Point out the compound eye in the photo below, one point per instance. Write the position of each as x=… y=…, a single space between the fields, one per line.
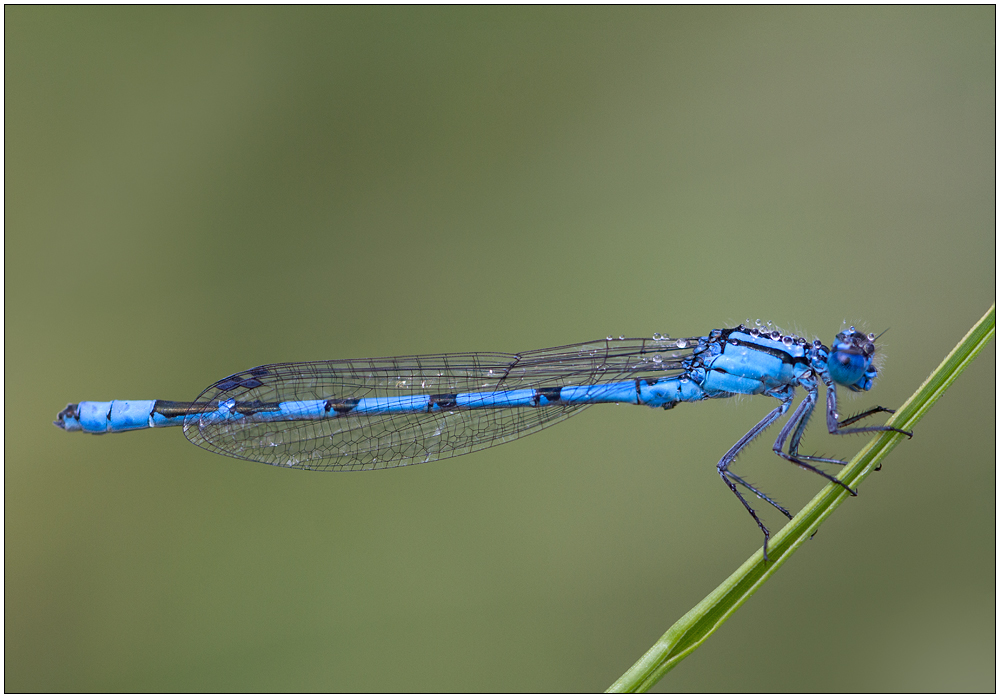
x=847 y=367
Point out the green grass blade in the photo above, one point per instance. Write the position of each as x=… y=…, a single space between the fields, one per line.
x=688 y=633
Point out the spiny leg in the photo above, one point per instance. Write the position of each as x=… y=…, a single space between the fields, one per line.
x=797 y=424
x=861 y=415
x=760 y=495
x=793 y=446
x=785 y=395
x=835 y=427
x=809 y=383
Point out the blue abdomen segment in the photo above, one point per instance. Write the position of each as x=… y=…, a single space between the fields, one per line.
x=115 y=416
x=129 y=415
x=668 y=392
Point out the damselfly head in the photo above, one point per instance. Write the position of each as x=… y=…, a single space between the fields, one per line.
x=851 y=360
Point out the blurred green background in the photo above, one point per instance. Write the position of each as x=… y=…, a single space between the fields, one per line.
x=194 y=191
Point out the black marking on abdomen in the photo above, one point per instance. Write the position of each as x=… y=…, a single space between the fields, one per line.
x=550 y=394
x=256 y=406
x=168 y=408
x=444 y=401
x=72 y=411
x=341 y=406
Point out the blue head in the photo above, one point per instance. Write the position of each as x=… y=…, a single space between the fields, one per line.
x=851 y=360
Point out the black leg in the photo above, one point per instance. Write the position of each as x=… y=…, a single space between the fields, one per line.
x=836 y=427
x=743 y=483
x=797 y=423
x=812 y=397
x=861 y=415
x=785 y=395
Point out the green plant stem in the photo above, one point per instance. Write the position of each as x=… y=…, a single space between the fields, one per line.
x=688 y=633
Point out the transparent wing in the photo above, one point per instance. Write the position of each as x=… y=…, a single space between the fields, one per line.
x=372 y=441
